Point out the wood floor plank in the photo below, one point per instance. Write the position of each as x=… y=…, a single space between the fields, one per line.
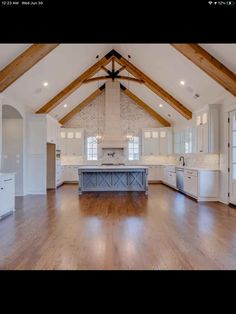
x=165 y=230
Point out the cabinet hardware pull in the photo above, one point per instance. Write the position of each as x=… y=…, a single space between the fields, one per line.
x=1 y=188
x=189 y=177
x=7 y=180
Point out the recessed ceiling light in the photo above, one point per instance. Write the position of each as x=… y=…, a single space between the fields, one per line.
x=65 y=105
x=45 y=84
x=161 y=105
x=182 y=83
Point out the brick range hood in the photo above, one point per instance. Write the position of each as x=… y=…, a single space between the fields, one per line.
x=113 y=136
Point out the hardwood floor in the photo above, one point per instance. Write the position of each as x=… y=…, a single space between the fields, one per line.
x=167 y=230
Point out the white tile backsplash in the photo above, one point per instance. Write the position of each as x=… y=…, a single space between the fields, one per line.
x=199 y=160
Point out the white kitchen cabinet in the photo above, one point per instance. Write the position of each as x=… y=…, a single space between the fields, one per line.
x=166 y=143
x=191 y=182
x=157 y=141
x=207 y=124
x=7 y=194
x=71 y=174
x=52 y=130
x=150 y=141
x=169 y=176
x=185 y=141
x=59 y=175
x=154 y=173
x=202 y=184
x=72 y=142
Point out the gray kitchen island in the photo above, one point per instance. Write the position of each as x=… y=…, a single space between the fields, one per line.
x=113 y=178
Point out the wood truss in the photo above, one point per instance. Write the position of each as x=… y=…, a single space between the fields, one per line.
x=82 y=105
x=139 y=77
x=23 y=63
x=98 y=92
x=209 y=65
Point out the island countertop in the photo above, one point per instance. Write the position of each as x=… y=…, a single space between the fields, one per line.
x=114 y=167
x=113 y=178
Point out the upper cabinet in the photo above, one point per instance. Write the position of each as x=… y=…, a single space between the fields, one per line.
x=207 y=125
x=202 y=136
x=185 y=141
x=53 y=129
x=72 y=141
x=156 y=141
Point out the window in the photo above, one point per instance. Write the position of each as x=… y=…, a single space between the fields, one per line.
x=133 y=148
x=92 y=148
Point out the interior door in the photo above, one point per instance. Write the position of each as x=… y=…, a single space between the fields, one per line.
x=232 y=158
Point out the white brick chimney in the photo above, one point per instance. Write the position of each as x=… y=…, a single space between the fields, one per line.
x=113 y=135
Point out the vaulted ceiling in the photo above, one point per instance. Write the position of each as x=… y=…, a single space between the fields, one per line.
x=160 y=62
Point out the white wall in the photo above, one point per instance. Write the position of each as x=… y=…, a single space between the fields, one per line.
x=23 y=110
x=93 y=116
x=37 y=154
x=0 y=132
x=228 y=106
x=12 y=151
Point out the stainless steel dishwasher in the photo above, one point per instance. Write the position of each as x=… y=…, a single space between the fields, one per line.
x=180 y=178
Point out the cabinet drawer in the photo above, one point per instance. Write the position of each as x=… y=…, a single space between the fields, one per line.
x=191 y=172
x=191 y=185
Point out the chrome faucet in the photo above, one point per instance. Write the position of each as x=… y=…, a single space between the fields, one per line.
x=182 y=157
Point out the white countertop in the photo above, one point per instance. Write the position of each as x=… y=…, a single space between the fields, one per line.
x=3 y=174
x=112 y=167
x=198 y=168
x=142 y=166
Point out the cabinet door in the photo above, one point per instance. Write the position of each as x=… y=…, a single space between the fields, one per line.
x=191 y=185
x=200 y=139
x=147 y=148
x=158 y=173
x=2 y=205
x=205 y=138
x=151 y=174
x=7 y=188
x=163 y=142
x=74 y=174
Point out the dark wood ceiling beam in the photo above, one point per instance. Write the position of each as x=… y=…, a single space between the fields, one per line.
x=158 y=90
x=73 y=86
x=209 y=65
x=144 y=106
x=82 y=105
x=25 y=61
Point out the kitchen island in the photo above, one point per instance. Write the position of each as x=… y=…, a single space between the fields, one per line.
x=113 y=178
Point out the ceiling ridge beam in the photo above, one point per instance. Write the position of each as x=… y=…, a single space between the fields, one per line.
x=157 y=89
x=21 y=64
x=144 y=106
x=74 y=85
x=82 y=105
x=209 y=64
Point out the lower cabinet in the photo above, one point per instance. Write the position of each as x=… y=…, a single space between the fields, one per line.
x=191 y=182
x=71 y=174
x=202 y=184
x=154 y=173
x=59 y=175
x=7 y=194
x=169 y=175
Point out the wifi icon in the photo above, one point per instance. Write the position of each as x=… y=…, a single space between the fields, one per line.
x=210 y=2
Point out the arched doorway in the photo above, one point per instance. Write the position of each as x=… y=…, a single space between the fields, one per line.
x=12 y=145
